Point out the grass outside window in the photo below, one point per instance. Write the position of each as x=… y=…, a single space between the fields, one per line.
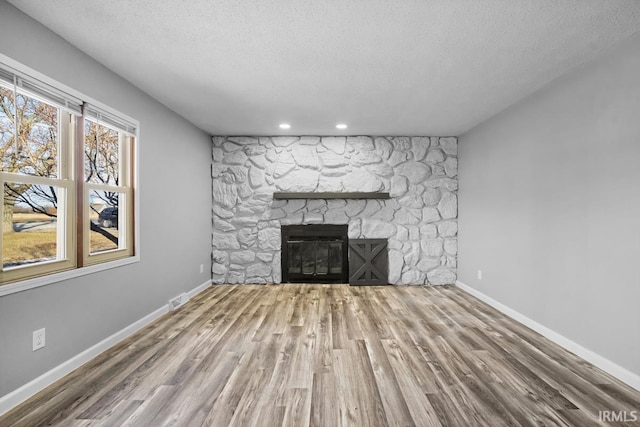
x=67 y=178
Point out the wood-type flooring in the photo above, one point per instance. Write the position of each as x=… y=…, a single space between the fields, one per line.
x=333 y=355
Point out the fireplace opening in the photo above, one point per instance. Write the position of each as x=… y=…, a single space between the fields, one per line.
x=316 y=253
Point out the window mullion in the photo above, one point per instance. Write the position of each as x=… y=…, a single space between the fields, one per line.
x=131 y=194
x=35 y=180
x=67 y=142
x=80 y=199
x=105 y=187
x=2 y=228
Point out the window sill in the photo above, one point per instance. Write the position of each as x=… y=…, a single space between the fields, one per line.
x=49 y=279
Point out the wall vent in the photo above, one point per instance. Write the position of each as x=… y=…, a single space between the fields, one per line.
x=179 y=301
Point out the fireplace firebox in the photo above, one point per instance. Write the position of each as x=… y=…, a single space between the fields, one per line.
x=316 y=253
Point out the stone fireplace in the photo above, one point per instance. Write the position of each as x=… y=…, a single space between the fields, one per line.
x=419 y=220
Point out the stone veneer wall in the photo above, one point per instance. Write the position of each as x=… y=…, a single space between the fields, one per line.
x=419 y=220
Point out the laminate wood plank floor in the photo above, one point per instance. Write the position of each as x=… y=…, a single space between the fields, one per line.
x=332 y=355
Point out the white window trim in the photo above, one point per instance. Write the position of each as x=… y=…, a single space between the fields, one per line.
x=36 y=282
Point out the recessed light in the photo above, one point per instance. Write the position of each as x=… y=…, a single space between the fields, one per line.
x=341 y=126
x=285 y=126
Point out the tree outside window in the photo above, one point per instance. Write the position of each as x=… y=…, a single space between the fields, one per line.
x=41 y=198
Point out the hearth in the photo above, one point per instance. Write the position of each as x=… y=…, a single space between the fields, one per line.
x=316 y=253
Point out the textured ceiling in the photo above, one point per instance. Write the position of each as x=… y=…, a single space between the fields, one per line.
x=427 y=67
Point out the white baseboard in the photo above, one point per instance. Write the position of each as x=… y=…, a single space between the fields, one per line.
x=595 y=359
x=21 y=394
x=195 y=291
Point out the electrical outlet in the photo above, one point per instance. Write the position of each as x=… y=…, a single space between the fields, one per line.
x=479 y=274
x=38 y=339
x=201 y=268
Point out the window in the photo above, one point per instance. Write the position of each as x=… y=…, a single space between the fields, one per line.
x=107 y=191
x=67 y=178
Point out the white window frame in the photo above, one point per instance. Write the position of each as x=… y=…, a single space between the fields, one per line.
x=65 y=230
x=125 y=143
x=93 y=263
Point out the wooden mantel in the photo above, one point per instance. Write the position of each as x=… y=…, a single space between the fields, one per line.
x=331 y=195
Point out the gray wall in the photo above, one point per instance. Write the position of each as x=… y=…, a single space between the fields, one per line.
x=550 y=206
x=175 y=218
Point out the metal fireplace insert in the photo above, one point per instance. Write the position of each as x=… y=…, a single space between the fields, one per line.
x=316 y=253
